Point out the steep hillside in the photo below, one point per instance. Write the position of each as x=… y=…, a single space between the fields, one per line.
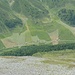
x=36 y=22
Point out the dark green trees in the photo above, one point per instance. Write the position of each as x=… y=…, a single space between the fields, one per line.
x=12 y=23
x=30 y=50
x=67 y=16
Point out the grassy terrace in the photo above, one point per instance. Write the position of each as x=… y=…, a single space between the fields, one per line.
x=65 y=57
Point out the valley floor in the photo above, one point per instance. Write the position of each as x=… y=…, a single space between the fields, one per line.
x=29 y=65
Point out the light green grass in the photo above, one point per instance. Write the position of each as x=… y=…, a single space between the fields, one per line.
x=34 y=25
x=28 y=37
x=38 y=30
x=1 y=45
x=65 y=57
x=42 y=35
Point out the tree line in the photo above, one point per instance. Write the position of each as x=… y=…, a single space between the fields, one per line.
x=30 y=50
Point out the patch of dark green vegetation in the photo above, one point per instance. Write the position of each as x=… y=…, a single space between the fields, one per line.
x=67 y=16
x=30 y=50
x=12 y=23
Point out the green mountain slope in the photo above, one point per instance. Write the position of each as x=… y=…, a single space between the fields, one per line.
x=35 y=22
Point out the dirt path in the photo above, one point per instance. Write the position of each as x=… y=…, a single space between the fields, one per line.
x=54 y=37
x=11 y=2
x=31 y=66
